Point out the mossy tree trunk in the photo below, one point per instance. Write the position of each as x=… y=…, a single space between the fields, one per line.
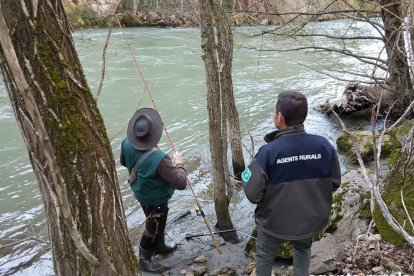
x=225 y=55
x=399 y=184
x=214 y=106
x=66 y=141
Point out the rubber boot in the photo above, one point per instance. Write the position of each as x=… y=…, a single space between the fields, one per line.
x=147 y=263
x=162 y=246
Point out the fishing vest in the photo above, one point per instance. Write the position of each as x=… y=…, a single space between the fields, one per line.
x=148 y=187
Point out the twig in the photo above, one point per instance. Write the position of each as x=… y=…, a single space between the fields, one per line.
x=332 y=76
x=22 y=241
x=406 y=113
x=98 y=94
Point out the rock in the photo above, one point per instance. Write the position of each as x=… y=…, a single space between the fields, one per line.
x=200 y=259
x=189 y=273
x=253 y=272
x=377 y=269
x=224 y=271
x=154 y=15
x=166 y=273
x=183 y=272
x=394 y=267
x=250 y=267
x=325 y=267
x=364 y=142
x=199 y=271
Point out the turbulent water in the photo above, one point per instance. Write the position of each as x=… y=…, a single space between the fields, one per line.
x=172 y=66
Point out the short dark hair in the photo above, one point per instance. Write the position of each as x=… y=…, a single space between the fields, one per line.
x=293 y=106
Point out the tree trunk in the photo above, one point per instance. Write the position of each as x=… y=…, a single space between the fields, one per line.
x=209 y=55
x=225 y=54
x=410 y=15
x=66 y=140
x=398 y=69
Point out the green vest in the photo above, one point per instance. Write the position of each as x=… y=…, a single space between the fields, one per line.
x=148 y=188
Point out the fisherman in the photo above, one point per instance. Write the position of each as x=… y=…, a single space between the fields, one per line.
x=291 y=179
x=153 y=179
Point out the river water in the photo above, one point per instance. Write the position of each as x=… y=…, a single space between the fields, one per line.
x=172 y=66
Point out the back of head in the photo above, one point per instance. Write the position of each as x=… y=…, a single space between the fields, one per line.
x=293 y=106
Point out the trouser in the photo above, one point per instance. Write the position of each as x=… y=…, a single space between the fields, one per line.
x=267 y=247
x=156 y=220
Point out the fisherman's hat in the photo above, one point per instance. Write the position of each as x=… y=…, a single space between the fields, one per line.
x=144 y=129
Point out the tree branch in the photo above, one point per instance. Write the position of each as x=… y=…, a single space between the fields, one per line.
x=332 y=76
x=345 y=52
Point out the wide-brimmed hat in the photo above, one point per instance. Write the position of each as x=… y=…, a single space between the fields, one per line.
x=144 y=129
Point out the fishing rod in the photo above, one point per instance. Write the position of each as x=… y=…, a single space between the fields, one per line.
x=190 y=235
x=137 y=65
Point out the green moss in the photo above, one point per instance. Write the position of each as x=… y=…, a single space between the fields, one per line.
x=403 y=130
x=400 y=179
x=393 y=157
x=364 y=211
x=285 y=250
x=344 y=143
x=336 y=213
x=364 y=142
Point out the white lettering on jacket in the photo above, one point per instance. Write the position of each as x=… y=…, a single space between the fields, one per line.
x=295 y=158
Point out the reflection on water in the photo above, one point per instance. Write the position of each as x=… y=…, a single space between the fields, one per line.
x=171 y=62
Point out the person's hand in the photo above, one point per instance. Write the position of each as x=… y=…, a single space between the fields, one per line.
x=177 y=157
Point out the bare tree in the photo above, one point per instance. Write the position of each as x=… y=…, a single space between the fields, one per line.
x=214 y=106
x=225 y=55
x=66 y=141
x=368 y=87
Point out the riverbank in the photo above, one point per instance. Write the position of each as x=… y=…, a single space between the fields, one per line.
x=86 y=14
x=354 y=247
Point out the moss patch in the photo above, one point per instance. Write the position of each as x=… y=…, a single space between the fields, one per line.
x=364 y=211
x=365 y=145
x=400 y=179
x=285 y=250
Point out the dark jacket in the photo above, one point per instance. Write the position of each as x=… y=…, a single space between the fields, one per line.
x=291 y=179
x=156 y=178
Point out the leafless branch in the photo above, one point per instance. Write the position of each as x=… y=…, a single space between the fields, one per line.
x=365 y=59
x=98 y=94
x=330 y=36
x=311 y=13
x=331 y=75
x=376 y=79
x=406 y=113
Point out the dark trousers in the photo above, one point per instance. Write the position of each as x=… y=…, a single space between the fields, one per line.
x=267 y=247
x=156 y=220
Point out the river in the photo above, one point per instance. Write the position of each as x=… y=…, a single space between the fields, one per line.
x=172 y=66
